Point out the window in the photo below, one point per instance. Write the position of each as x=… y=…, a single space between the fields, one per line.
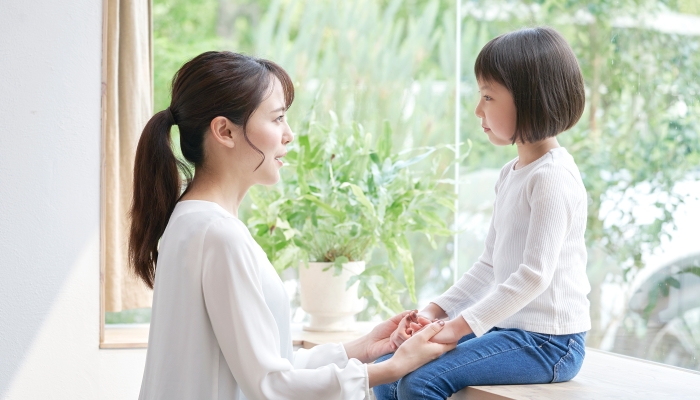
x=637 y=144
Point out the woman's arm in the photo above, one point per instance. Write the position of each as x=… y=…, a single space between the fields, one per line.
x=247 y=333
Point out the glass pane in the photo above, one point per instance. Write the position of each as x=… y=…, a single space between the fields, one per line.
x=637 y=148
x=372 y=63
x=369 y=63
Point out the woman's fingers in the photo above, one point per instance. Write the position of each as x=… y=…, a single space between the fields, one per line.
x=419 y=350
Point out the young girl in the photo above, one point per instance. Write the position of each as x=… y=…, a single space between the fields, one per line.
x=220 y=327
x=520 y=313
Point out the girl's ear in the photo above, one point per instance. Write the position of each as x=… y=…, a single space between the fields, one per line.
x=224 y=131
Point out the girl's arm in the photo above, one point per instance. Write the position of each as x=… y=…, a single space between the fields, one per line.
x=476 y=282
x=432 y=311
x=555 y=199
x=472 y=286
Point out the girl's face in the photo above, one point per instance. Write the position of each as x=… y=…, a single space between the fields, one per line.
x=268 y=130
x=497 y=111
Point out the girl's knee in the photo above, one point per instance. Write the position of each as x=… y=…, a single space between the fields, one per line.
x=385 y=392
x=418 y=385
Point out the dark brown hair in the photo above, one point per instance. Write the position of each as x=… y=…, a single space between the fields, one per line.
x=540 y=70
x=210 y=85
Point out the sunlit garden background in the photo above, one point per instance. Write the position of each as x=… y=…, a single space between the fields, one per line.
x=389 y=66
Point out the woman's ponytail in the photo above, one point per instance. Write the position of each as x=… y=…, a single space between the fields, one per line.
x=213 y=84
x=156 y=191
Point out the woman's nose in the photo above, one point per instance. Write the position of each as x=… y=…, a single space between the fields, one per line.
x=288 y=136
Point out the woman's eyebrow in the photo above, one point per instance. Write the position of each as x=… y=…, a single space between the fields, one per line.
x=276 y=110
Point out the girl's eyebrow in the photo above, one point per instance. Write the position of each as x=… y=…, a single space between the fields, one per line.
x=484 y=87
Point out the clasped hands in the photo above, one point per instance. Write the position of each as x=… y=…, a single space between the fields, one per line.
x=413 y=322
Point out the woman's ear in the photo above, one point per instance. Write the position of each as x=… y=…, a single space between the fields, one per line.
x=224 y=131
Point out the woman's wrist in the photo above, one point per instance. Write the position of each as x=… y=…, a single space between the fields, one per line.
x=384 y=372
x=357 y=349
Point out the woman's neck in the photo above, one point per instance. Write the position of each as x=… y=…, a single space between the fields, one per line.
x=223 y=190
x=529 y=152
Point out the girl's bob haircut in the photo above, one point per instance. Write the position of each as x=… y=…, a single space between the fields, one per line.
x=540 y=70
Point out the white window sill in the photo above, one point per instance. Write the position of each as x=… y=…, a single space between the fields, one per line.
x=603 y=375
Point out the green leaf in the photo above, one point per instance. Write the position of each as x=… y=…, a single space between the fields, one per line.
x=323 y=205
x=404 y=252
x=360 y=195
x=384 y=143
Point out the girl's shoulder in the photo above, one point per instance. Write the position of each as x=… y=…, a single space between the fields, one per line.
x=557 y=173
x=559 y=163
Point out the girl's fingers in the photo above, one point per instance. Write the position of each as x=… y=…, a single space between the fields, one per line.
x=423 y=321
x=416 y=327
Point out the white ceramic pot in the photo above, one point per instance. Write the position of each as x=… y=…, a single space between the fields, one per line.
x=331 y=308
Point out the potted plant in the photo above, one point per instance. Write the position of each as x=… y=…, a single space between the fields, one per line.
x=345 y=193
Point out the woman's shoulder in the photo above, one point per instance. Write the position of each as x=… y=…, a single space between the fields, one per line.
x=209 y=220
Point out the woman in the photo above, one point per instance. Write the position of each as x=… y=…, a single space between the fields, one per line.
x=220 y=325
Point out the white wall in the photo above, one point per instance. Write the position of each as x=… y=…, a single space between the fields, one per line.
x=50 y=63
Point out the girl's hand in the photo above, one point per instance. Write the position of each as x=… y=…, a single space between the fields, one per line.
x=416 y=351
x=453 y=331
x=409 y=325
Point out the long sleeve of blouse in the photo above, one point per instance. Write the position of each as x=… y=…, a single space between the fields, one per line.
x=236 y=294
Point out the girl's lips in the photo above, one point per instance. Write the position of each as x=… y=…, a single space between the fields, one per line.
x=486 y=129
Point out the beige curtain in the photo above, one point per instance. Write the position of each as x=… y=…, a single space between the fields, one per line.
x=129 y=105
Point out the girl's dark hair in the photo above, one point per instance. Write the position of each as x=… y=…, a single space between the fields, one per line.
x=210 y=85
x=540 y=70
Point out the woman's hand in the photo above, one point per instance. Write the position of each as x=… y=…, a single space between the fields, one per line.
x=431 y=313
x=416 y=351
x=453 y=331
x=410 y=324
x=376 y=343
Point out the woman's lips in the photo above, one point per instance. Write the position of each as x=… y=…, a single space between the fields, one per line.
x=279 y=159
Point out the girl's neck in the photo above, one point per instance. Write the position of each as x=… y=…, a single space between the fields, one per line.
x=529 y=152
x=225 y=191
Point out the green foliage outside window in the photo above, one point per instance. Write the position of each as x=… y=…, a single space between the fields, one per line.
x=394 y=61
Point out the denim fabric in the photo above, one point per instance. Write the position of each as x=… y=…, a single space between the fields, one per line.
x=499 y=357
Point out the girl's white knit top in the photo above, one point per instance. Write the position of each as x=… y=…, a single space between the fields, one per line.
x=532 y=273
x=220 y=327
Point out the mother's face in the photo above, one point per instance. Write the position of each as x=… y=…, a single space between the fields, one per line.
x=268 y=130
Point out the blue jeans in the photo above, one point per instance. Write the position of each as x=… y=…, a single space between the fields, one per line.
x=499 y=357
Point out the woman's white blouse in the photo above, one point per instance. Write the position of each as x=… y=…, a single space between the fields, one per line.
x=220 y=327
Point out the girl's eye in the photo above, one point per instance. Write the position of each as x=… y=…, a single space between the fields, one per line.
x=487 y=98
x=280 y=118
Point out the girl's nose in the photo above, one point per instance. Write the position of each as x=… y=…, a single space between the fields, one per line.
x=478 y=111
